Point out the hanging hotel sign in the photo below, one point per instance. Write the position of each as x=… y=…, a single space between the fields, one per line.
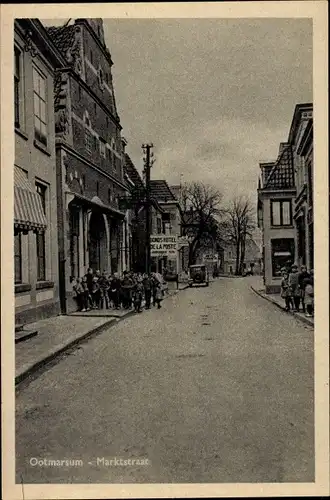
x=163 y=246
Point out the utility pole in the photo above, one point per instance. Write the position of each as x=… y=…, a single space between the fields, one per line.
x=148 y=161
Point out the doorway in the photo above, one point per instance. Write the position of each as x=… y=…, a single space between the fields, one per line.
x=98 y=245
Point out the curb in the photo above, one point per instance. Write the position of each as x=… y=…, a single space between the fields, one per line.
x=269 y=299
x=34 y=367
x=56 y=352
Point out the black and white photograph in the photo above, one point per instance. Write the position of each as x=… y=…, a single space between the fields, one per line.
x=162 y=236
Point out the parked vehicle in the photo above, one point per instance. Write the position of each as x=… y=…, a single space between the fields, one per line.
x=198 y=275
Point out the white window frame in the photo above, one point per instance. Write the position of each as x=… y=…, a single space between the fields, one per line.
x=41 y=100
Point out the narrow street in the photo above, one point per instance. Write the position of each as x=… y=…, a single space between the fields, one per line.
x=217 y=386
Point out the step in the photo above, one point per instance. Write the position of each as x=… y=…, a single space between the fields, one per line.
x=22 y=335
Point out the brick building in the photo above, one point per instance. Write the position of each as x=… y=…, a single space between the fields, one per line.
x=90 y=157
x=276 y=194
x=35 y=194
x=301 y=138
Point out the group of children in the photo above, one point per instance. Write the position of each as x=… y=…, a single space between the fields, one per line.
x=298 y=288
x=98 y=291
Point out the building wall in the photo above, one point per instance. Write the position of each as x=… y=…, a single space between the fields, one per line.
x=40 y=299
x=90 y=164
x=270 y=233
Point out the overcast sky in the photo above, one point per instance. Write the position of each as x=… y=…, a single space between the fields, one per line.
x=215 y=96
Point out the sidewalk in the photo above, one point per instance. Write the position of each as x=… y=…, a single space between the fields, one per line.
x=279 y=302
x=59 y=333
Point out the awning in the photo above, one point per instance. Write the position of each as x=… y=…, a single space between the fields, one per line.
x=95 y=203
x=28 y=211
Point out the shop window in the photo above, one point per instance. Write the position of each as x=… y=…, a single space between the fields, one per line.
x=39 y=96
x=281 y=213
x=18 y=257
x=17 y=85
x=282 y=254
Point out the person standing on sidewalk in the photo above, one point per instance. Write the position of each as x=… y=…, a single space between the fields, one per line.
x=294 y=286
x=104 y=286
x=286 y=292
x=159 y=295
x=304 y=274
x=147 y=285
x=309 y=296
x=138 y=295
x=114 y=290
x=126 y=287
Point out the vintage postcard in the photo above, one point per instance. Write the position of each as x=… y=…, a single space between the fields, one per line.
x=164 y=233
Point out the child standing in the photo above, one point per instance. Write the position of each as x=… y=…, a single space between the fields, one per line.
x=87 y=299
x=309 y=297
x=137 y=295
x=286 y=292
x=159 y=295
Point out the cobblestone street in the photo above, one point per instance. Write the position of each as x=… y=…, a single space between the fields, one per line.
x=216 y=386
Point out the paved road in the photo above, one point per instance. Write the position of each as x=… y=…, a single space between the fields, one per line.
x=217 y=386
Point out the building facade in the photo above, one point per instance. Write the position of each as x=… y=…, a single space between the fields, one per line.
x=301 y=138
x=90 y=151
x=35 y=186
x=168 y=224
x=276 y=194
x=252 y=261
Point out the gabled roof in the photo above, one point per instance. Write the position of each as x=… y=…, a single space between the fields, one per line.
x=282 y=173
x=132 y=172
x=62 y=36
x=160 y=190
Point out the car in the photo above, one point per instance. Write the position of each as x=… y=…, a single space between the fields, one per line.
x=198 y=275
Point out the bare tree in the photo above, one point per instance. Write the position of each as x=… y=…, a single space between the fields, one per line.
x=201 y=205
x=239 y=226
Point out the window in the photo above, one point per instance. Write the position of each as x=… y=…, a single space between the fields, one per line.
x=159 y=226
x=310 y=183
x=101 y=78
x=88 y=140
x=95 y=108
x=41 y=260
x=18 y=257
x=17 y=83
x=97 y=188
x=39 y=95
x=109 y=195
x=91 y=56
x=40 y=237
x=282 y=254
x=95 y=142
x=83 y=178
x=281 y=213
x=41 y=190
x=102 y=148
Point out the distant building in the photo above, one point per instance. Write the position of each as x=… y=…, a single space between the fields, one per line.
x=170 y=222
x=137 y=218
x=90 y=158
x=35 y=192
x=252 y=261
x=276 y=194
